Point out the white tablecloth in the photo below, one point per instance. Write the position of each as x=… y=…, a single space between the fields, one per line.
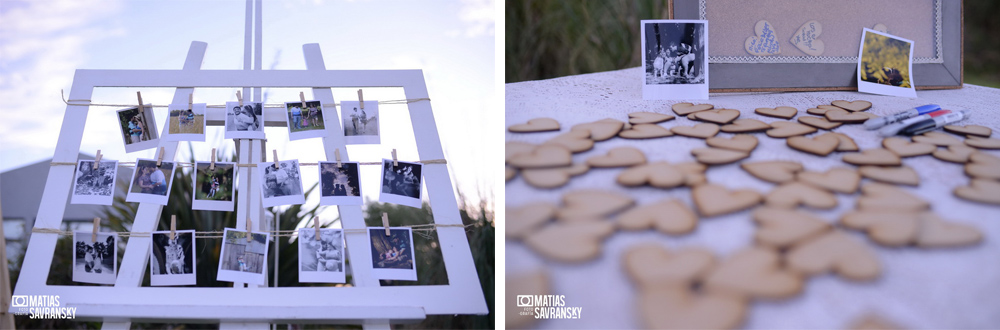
x=942 y=288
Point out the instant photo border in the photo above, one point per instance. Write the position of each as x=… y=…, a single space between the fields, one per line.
x=365 y=303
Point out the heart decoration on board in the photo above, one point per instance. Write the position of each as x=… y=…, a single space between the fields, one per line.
x=765 y=42
x=807 y=40
x=881 y=28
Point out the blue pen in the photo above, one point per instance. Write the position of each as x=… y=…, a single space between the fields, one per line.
x=875 y=123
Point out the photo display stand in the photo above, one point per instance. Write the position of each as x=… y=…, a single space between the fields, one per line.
x=242 y=306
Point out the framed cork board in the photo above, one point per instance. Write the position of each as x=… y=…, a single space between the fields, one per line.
x=935 y=26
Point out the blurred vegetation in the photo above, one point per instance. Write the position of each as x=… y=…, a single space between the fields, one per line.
x=430 y=266
x=547 y=39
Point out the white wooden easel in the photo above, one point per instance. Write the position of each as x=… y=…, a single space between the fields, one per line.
x=255 y=307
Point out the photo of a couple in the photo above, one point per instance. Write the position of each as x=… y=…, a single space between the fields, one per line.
x=138 y=129
x=244 y=122
x=150 y=183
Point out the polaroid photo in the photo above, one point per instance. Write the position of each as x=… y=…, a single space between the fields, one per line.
x=393 y=256
x=361 y=125
x=674 y=59
x=401 y=183
x=339 y=185
x=246 y=122
x=885 y=64
x=281 y=185
x=95 y=186
x=150 y=183
x=321 y=260
x=172 y=261
x=138 y=128
x=304 y=123
x=213 y=189
x=185 y=124
x=242 y=261
x=95 y=261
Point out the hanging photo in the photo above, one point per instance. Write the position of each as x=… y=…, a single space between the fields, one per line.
x=400 y=183
x=213 y=189
x=172 y=261
x=150 y=183
x=185 y=124
x=281 y=185
x=392 y=255
x=138 y=128
x=339 y=185
x=674 y=59
x=95 y=261
x=361 y=125
x=242 y=261
x=95 y=186
x=305 y=122
x=885 y=64
x=322 y=260
x=244 y=122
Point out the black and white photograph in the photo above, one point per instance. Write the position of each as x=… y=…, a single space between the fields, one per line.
x=185 y=123
x=244 y=122
x=674 y=59
x=305 y=122
x=95 y=186
x=281 y=185
x=150 y=183
x=172 y=261
x=392 y=255
x=95 y=261
x=243 y=261
x=885 y=62
x=138 y=128
x=361 y=124
x=339 y=185
x=213 y=188
x=321 y=260
x=401 y=183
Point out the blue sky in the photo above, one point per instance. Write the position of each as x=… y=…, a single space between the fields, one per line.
x=43 y=42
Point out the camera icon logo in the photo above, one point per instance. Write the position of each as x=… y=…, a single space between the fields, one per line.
x=524 y=301
x=19 y=301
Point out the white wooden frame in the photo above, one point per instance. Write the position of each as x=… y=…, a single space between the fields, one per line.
x=365 y=303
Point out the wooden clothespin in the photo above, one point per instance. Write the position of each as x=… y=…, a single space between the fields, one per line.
x=97 y=159
x=275 y=158
x=191 y=100
x=211 y=167
x=336 y=153
x=302 y=97
x=173 y=226
x=394 y=163
x=239 y=96
x=142 y=108
x=316 y=224
x=97 y=225
x=361 y=99
x=159 y=159
x=249 y=231
x=385 y=222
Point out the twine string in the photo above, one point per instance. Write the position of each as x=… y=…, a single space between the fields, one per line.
x=419 y=229
x=189 y=164
x=87 y=102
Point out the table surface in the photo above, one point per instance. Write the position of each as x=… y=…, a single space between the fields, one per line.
x=937 y=288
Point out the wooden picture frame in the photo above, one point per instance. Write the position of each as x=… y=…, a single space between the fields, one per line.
x=941 y=69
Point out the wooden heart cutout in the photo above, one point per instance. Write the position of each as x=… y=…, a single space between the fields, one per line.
x=754 y=272
x=852 y=106
x=888 y=228
x=683 y=109
x=575 y=141
x=673 y=307
x=980 y=190
x=746 y=125
x=981 y=131
x=781 y=228
x=510 y=172
x=694 y=173
x=984 y=158
x=582 y=205
x=532 y=283
x=546 y=155
x=818 y=111
x=523 y=220
x=981 y=143
x=548 y=178
x=618 y=157
x=841 y=180
x=880 y=196
x=570 y=242
x=658 y=174
x=982 y=170
x=773 y=171
x=645 y=131
x=718 y=156
x=936 y=138
x=784 y=129
x=652 y=265
x=936 y=232
x=701 y=131
x=712 y=200
x=644 y=117
x=896 y=175
x=819 y=122
x=512 y=148
x=739 y=142
x=535 y=125
x=821 y=145
x=904 y=148
x=669 y=216
x=844 y=116
x=956 y=153
x=807 y=40
x=878 y=156
x=836 y=252
x=718 y=116
x=602 y=129
x=764 y=42
x=846 y=142
x=792 y=194
x=779 y=112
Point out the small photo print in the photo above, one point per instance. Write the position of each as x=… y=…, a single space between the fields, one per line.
x=95 y=186
x=186 y=124
x=885 y=64
x=172 y=261
x=401 y=183
x=305 y=122
x=243 y=261
x=150 y=183
x=213 y=189
x=281 y=185
x=361 y=125
x=244 y=122
x=322 y=260
x=138 y=128
x=675 y=59
x=95 y=261
x=339 y=185
x=392 y=255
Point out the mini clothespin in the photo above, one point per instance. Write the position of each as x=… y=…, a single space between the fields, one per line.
x=316 y=224
x=336 y=153
x=173 y=226
x=191 y=100
x=211 y=167
x=302 y=97
x=97 y=225
x=249 y=231
x=142 y=108
x=275 y=158
x=239 y=96
x=97 y=159
x=394 y=163
x=361 y=100
x=385 y=222
x=159 y=159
